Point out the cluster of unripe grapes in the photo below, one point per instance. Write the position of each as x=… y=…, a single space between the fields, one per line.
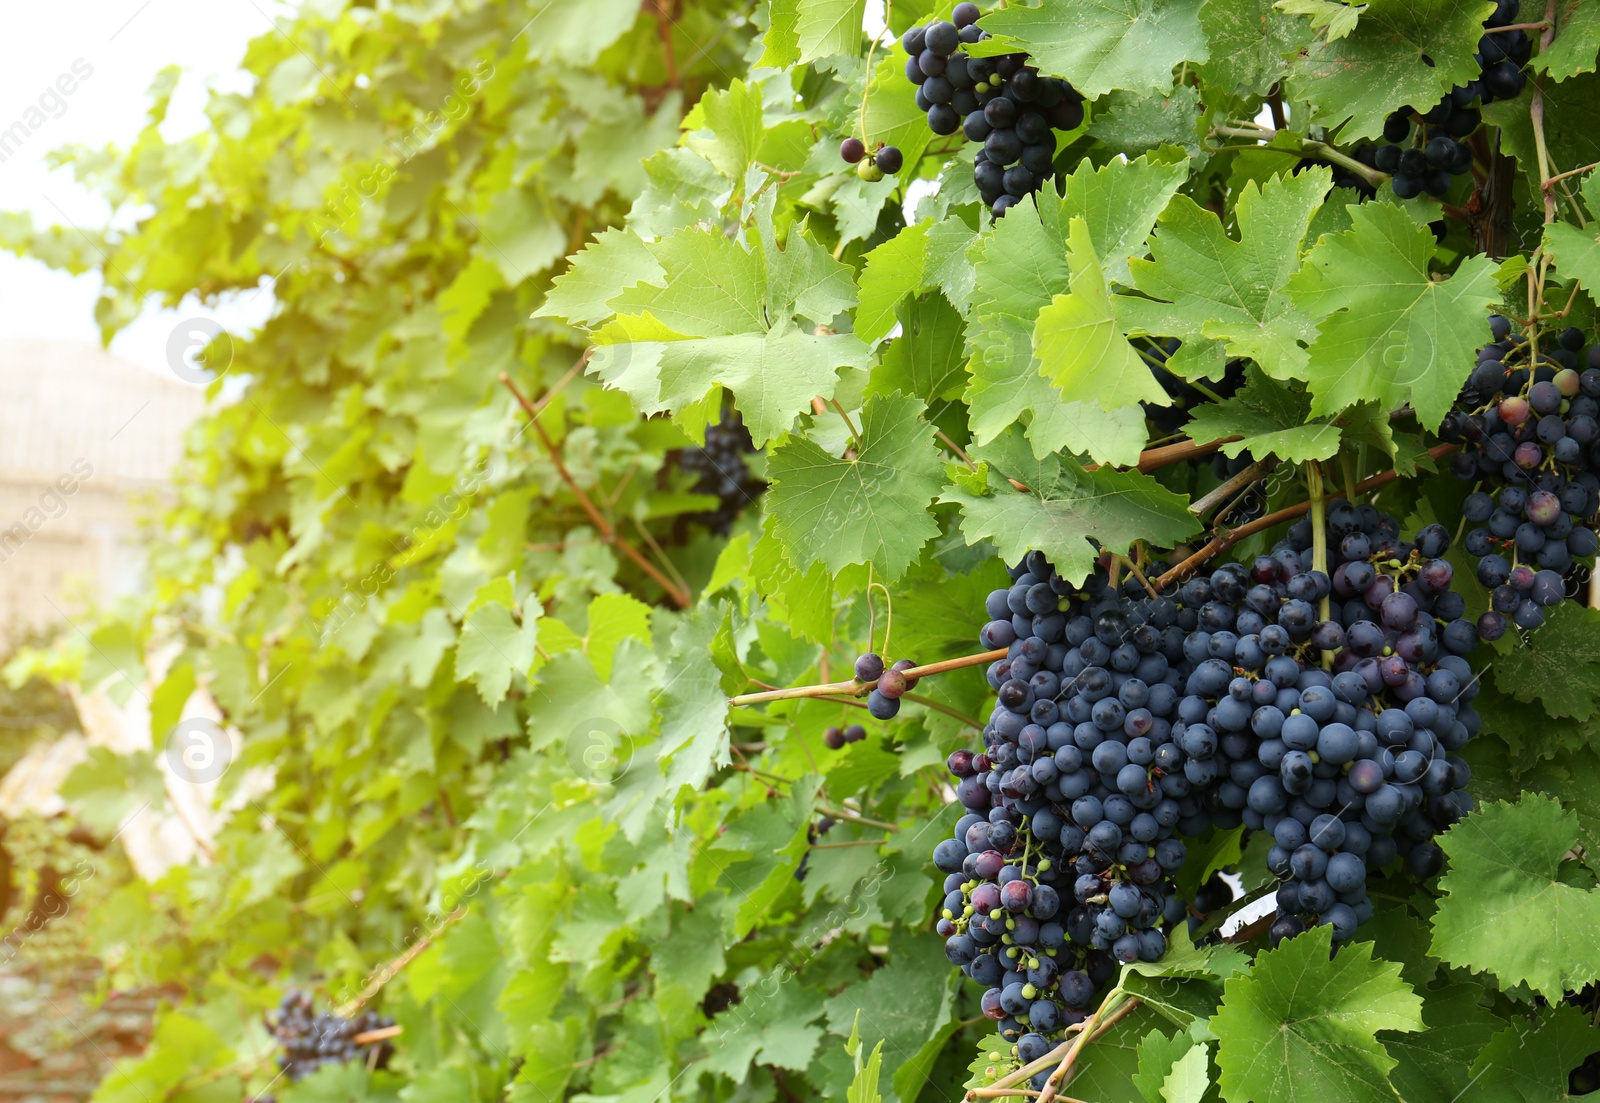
x=1441 y=153
x=1529 y=424
x=1125 y=722
x=312 y=1040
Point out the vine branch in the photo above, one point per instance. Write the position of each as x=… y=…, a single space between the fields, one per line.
x=608 y=531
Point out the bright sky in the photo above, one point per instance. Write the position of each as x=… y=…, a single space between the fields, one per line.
x=121 y=45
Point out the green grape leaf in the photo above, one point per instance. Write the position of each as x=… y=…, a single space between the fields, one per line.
x=1576 y=43
x=1080 y=344
x=1435 y=1063
x=773 y=376
x=1577 y=252
x=801 y=277
x=1100 y=47
x=1128 y=123
x=1300 y=1027
x=709 y=286
x=1233 y=291
x=927 y=256
x=1378 y=66
x=1505 y=879
x=613 y=262
x=1271 y=419
x=1157 y=1055
x=726 y=128
x=1529 y=1062
x=889 y=273
x=1334 y=18
x=1387 y=330
x=772 y=1025
x=694 y=709
x=1190 y=1077
x=1559 y=669
x=902 y=1005
x=872 y=507
x=802 y=32
x=493 y=647
x=864 y=1088
x=1250 y=45
x=1066 y=511
x=928 y=360
x=576 y=34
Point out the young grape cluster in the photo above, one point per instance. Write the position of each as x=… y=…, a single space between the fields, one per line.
x=1426 y=159
x=720 y=469
x=310 y=1040
x=1529 y=424
x=1001 y=102
x=1125 y=722
x=888 y=684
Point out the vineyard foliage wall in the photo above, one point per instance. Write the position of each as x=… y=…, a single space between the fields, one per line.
x=490 y=779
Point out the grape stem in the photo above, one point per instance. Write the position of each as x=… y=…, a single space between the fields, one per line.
x=1319 y=537
x=367 y=1037
x=1227 y=490
x=854 y=688
x=1096 y=1025
x=1319 y=149
x=1536 y=113
x=1225 y=540
x=608 y=531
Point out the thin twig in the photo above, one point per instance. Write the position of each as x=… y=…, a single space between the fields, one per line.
x=858 y=689
x=1247 y=477
x=1225 y=540
x=387 y=972
x=679 y=597
x=855 y=436
x=930 y=703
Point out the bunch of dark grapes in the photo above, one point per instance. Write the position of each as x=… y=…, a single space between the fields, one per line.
x=720 y=470
x=837 y=737
x=1367 y=771
x=1530 y=428
x=1125 y=721
x=1438 y=151
x=310 y=1040
x=1001 y=101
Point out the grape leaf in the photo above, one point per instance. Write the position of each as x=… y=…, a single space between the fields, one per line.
x=872 y=507
x=1530 y=1062
x=1503 y=882
x=1576 y=43
x=1272 y=420
x=1117 y=202
x=1335 y=18
x=1190 y=1077
x=1065 y=508
x=492 y=647
x=725 y=127
x=694 y=710
x=1577 y=252
x=709 y=286
x=802 y=32
x=614 y=261
x=903 y=1004
x=1559 y=669
x=1080 y=343
x=928 y=360
x=773 y=1024
x=1099 y=47
x=1435 y=1063
x=1130 y=123
x=1006 y=388
x=1157 y=1054
x=1300 y=1027
x=1250 y=45
x=923 y=257
x=1387 y=330
x=1378 y=66
x=1228 y=290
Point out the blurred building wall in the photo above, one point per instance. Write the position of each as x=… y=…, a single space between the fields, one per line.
x=83 y=437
